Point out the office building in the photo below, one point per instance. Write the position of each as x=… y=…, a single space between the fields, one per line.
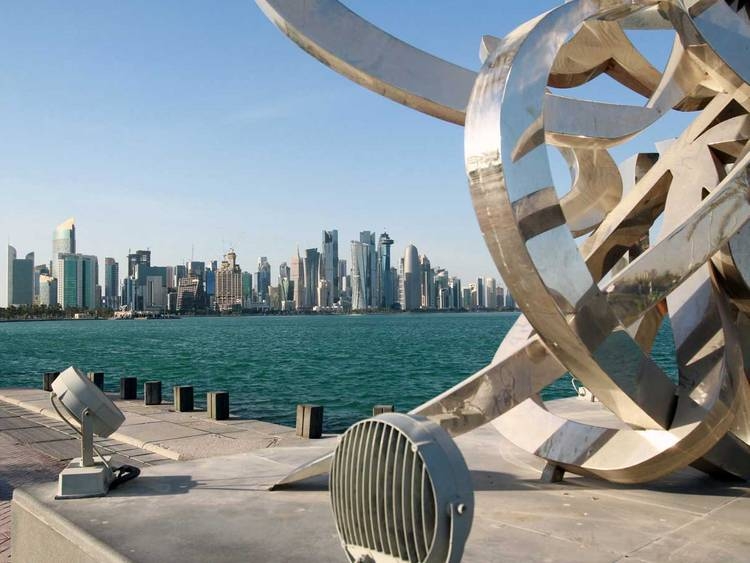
x=359 y=276
x=329 y=264
x=77 y=278
x=229 y=284
x=111 y=283
x=20 y=279
x=190 y=294
x=426 y=276
x=490 y=288
x=297 y=273
x=311 y=265
x=284 y=271
x=138 y=258
x=63 y=241
x=479 y=294
x=263 y=279
x=39 y=270
x=385 y=283
x=196 y=269
x=47 y=290
x=412 y=287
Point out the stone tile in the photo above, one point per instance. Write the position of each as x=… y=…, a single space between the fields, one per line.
x=33 y=435
x=157 y=431
x=60 y=449
x=16 y=422
x=211 y=445
x=148 y=458
x=132 y=419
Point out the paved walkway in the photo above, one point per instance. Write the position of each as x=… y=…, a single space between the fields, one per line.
x=175 y=435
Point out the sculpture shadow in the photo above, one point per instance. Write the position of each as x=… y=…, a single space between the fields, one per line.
x=147 y=485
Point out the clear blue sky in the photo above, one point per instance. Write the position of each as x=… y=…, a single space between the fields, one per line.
x=174 y=123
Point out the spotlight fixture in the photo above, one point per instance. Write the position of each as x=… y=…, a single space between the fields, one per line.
x=401 y=491
x=95 y=414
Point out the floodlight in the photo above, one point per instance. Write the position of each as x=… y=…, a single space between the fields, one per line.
x=401 y=491
x=94 y=413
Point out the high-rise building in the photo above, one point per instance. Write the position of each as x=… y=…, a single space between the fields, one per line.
x=63 y=241
x=247 y=289
x=39 y=270
x=456 y=294
x=412 y=280
x=373 y=280
x=359 y=276
x=190 y=295
x=229 y=284
x=442 y=289
x=196 y=269
x=385 y=283
x=180 y=271
x=138 y=258
x=490 y=287
x=263 y=279
x=343 y=270
x=500 y=299
x=510 y=303
x=297 y=272
x=111 y=283
x=426 y=279
x=77 y=278
x=284 y=271
x=47 y=290
x=329 y=264
x=481 y=295
x=324 y=294
x=20 y=278
x=311 y=271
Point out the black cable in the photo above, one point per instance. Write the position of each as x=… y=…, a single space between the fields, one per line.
x=123 y=474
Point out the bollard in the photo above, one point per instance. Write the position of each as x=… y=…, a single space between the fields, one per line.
x=552 y=473
x=48 y=378
x=309 y=421
x=97 y=378
x=218 y=405
x=380 y=409
x=152 y=393
x=128 y=388
x=183 y=398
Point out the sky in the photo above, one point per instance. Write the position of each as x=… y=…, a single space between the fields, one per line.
x=188 y=127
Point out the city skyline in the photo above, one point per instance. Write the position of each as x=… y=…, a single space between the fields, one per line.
x=315 y=280
x=210 y=128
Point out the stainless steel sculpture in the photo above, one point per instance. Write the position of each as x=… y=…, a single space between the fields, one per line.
x=592 y=289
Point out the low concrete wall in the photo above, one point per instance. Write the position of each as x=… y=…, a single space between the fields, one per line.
x=39 y=535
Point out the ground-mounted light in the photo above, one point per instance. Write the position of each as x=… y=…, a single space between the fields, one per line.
x=401 y=491
x=95 y=414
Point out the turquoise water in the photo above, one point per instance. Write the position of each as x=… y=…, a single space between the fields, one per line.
x=270 y=364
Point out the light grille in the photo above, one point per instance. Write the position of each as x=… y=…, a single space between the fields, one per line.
x=383 y=494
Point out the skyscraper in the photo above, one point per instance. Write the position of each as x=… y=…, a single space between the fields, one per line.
x=329 y=264
x=311 y=267
x=373 y=281
x=47 y=290
x=412 y=280
x=229 y=284
x=359 y=275
x=111 y=283
x=63 y=241
x=297 y=271
x=490 y=287
x=20 y=278
x=263 y=279
x=138 y=258
x=284 y=271
x=385 y=295
x=77 y=278
x=481 y=295
x=426 y=277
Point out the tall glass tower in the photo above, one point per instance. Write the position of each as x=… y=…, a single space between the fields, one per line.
x=385 y=297
x=329 y=263
x=63 y=241
x=20 y=278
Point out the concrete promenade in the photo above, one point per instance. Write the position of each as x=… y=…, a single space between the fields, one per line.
x=219 y=509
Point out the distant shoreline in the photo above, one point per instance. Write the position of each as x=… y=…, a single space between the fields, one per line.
x=271 y=314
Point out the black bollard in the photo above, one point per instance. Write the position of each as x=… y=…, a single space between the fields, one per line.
x=48 y=378
x=152 y=393
x=309 y=421
x=128 y=388
x=97 y=378
x=218 y=405
x=183 y=398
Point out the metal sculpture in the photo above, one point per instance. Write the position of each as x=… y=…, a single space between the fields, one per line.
x=592 y=286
